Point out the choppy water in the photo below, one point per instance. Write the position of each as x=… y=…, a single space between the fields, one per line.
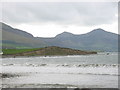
x=97 y=71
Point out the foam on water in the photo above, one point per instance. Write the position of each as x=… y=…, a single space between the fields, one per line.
x=97 y=71
x=78 y=64
x=63 y=65
x=79 y=77
x=61 y=69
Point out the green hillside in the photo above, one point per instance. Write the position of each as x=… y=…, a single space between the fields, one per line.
x=47 y=51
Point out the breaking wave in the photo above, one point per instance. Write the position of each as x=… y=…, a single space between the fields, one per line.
x=64 y=65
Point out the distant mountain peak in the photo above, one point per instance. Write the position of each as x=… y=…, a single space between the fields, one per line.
x=99 y=29
x=64 y=34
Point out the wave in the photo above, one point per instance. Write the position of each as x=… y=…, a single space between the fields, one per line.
x=64 y=65
x=96 y=74
x=75 y=69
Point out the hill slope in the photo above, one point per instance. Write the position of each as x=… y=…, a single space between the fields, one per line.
x=47 y=51
x=15 y=38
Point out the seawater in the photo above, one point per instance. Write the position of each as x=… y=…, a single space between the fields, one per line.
x=86 y=71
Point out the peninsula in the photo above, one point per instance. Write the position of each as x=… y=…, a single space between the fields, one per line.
x=46 y=51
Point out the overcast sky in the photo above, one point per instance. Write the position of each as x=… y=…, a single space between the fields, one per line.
x=47 y=19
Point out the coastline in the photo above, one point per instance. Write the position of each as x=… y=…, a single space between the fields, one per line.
x=47 y=51
x=13 y=56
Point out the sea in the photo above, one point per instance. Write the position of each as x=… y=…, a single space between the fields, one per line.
x=72 y=71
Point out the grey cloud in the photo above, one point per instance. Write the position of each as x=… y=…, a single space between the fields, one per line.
x=78 y=13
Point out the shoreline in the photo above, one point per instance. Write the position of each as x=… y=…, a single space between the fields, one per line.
x=12 y=56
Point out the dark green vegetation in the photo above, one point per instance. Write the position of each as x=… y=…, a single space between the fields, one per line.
x=47 y=51
x=97 y=40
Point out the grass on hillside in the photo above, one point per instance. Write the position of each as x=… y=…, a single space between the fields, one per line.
x=16 y=51
x=53 y=50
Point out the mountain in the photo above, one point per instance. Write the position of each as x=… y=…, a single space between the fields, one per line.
x=15 y=31
x=15 y=38
x=64 y=35
x=97 y=39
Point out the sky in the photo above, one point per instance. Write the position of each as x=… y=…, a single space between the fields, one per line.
x=47 y=19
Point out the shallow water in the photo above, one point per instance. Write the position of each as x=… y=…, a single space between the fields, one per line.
x=84 y=71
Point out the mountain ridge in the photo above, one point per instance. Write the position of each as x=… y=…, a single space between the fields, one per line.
x=15 y=30
x=97 y=39
x=15 y=38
